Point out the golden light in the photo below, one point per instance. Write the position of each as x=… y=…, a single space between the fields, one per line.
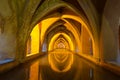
x=34 y=42
x=80 y=20
x=61 y=42
x=34 y=71
x=60 y=60
x=45 y=25
x=51 y=44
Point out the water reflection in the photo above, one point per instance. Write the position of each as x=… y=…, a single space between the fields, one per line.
x=41 y=69
x=60 y=60
x=34 y=71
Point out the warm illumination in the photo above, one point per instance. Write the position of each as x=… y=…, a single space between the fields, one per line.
x=61 y=43
x=34 y=42
x=34 y=71
x=45 y=25
x=76 y=44
x=60 y=60
x=51 y=44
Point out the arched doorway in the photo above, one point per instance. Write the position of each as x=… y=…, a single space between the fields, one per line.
x=33 y=41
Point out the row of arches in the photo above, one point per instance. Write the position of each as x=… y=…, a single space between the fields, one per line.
x=66 y=33
x=49 y=15
x=39 y=25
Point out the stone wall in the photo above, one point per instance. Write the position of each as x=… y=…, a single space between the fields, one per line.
x=8 y=31
x=109 y=30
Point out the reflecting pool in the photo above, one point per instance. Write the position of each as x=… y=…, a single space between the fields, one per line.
x=59 y=65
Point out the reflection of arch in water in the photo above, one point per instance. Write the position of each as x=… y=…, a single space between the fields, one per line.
x=60 y=60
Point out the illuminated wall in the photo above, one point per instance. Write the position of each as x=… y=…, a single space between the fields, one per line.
x=77 y=44
x=69 y=26
x=61 y=43
x=72 y=40
x=51 y=44
x=45 y=25
x=77 y=41
x=86 y=42
x=33 y=41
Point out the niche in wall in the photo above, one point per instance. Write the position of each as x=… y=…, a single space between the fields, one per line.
x=33 y=42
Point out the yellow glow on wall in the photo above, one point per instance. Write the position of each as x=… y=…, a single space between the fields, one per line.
x=71 y=28
x=51 y=44
x=84 y=24
x=80 y=20
x=45 y=25
x=35 y=40
x=61 y=43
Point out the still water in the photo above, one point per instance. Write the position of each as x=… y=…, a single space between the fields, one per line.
x=59 y=65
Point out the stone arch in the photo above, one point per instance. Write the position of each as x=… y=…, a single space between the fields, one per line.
x=61 y=43
x=39 y=14
x=72 y=47
x=56 y=25
x=60 y=29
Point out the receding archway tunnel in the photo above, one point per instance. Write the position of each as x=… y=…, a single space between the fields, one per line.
x=60 y=33
x=63 y=14
x=78 y=37
x=43 y=28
